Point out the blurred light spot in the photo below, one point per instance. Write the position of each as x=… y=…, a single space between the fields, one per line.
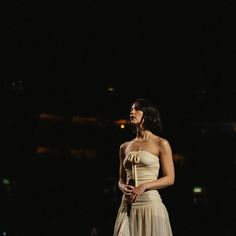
x=121 y=122
x=197 y=189
x=87 y=153
x=42 y=150
x=50 y=117
x=111 y=89
x=48 y=150
x=122 y=126
x=199 y=195
x=178 y=158
x=6 y=181
x=84 y=120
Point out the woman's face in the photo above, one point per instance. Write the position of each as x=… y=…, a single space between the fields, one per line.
x=135 y=115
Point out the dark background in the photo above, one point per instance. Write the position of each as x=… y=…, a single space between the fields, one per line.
x=61 y=58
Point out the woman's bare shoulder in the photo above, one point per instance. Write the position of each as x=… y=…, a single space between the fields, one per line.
x=124 y=145
x=122 y=149
x=163 y=146
x=161 y=142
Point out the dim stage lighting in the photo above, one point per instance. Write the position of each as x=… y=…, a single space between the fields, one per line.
x=199 y=195
x=197 y=190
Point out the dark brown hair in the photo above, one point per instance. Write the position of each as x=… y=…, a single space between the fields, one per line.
x=151 y=115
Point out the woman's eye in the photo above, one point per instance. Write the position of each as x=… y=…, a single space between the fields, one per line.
x=134 y=108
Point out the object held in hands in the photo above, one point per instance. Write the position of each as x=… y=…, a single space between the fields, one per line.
x=132 y=183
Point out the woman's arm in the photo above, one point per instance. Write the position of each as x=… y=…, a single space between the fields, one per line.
x=122 y=173
x=167 y=166
x=126 y=189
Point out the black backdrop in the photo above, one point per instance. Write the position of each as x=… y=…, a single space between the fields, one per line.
x=62 y=58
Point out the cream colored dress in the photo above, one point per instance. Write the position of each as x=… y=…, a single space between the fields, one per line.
x=148 y=215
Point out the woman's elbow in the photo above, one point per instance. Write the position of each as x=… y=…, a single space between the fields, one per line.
x=171 y=181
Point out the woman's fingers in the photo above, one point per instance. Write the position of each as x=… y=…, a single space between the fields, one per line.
x=127 y=192
x=128 y=189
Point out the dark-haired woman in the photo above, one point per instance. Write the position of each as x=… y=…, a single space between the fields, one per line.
x=142 y=212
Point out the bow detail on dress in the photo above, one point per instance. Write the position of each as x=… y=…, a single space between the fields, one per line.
x=134 y=159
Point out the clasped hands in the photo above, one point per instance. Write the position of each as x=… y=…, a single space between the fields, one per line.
x=132 y=193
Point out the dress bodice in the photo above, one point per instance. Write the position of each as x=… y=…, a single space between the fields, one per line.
x=142 y=166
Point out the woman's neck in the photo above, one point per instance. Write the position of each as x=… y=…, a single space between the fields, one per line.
x=143 y=134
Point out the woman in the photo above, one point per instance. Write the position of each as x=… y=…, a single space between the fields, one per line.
x=141 y=211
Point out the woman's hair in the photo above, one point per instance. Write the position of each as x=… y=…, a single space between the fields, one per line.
x=151 y=115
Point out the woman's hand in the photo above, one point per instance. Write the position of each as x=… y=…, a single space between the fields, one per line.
x=132 y=193
x=127 y=190
x=136 y=192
